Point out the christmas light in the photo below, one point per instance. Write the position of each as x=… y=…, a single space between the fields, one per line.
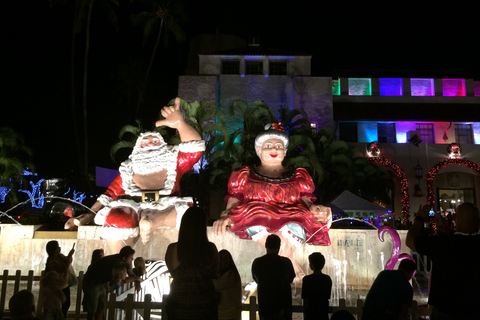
x=433 y=172
x=403 y=182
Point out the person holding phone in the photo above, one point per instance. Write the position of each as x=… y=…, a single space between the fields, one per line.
x=62 y=264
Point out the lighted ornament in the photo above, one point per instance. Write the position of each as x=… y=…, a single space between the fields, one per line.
x=373 y=149
x=454 y=150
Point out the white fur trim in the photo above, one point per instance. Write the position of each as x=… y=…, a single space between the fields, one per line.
x=192 y=146
x=104 y=199
x=112 y=233
x=287 y=234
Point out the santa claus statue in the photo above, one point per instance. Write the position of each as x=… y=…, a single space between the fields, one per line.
x=146 y=193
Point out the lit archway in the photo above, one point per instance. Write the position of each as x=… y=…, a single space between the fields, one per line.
x=403 y=182
x=433 y=172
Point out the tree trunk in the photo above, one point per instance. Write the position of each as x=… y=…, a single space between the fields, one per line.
x=84 y=102
x=149 y=68
x=72 y=99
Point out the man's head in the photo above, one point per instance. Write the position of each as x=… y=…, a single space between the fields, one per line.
x=316 y=261
x=467 y=218
x=272 y=244
x=22 y=305
x=126 y=254
x=409 y=267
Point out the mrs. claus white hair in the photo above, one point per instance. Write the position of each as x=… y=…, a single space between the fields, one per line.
x=270 y=134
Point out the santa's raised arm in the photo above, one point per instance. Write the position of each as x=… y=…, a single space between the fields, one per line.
x=148 y=186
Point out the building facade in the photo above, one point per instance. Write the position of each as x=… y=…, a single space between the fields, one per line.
x=425 y=126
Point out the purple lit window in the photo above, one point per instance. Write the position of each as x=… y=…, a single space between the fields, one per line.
x=476 y=88
x=391 y=86
x=422 y=87
x=425 y=132
x=453 y=87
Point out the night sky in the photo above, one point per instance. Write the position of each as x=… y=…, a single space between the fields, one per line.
x=36 y=45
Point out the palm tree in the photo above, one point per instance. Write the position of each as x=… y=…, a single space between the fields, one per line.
x=168 y=13
x=128 y=135
x=15 y=157
x=82 y=18
x=85 y=7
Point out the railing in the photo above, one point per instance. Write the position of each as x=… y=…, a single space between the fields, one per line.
x=131 y=305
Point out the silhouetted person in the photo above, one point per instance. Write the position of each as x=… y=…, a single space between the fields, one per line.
x=61 y=264
x=229 y=286
x=139 y=268
x=98 y=275
x=455 y=277
x=193 y=263
x=22 y=306
x=273 y=275
x=52 y=296
x=391 y=294
x=96 y=255
x=316 y=290
x=342 y=315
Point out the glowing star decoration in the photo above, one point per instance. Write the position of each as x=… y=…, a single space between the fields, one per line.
x=373 y=150
x=35 y=194
x=454 y=151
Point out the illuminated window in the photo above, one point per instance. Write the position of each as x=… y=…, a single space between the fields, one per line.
x=425 y=132
x=277 y=68
x=453 y=87
x=348 y=131
x=386 y=132
x=253 y=67
x=422 y=87
x=463 y=133
x=391 y=86
x=230 y=67
x=314 y=126
x=359 y=87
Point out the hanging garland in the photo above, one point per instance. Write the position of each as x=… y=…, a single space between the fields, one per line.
x=433 y=172
x=403 y=182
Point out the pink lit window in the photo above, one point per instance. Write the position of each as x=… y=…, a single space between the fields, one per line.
x=453 y=87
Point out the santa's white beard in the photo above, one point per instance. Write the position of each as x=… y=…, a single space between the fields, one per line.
x=152 y=159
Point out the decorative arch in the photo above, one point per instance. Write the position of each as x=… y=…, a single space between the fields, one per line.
x=433 y=172
x=403 y=182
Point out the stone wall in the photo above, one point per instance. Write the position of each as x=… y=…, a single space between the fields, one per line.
x=353 y=259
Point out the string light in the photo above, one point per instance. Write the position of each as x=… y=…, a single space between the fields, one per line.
x=403 y=182
x=433 y=172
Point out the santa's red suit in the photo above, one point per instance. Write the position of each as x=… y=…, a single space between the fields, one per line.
x=122 y=205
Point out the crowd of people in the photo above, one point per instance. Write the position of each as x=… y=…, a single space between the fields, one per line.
x=269 y=203
x=207 y=285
